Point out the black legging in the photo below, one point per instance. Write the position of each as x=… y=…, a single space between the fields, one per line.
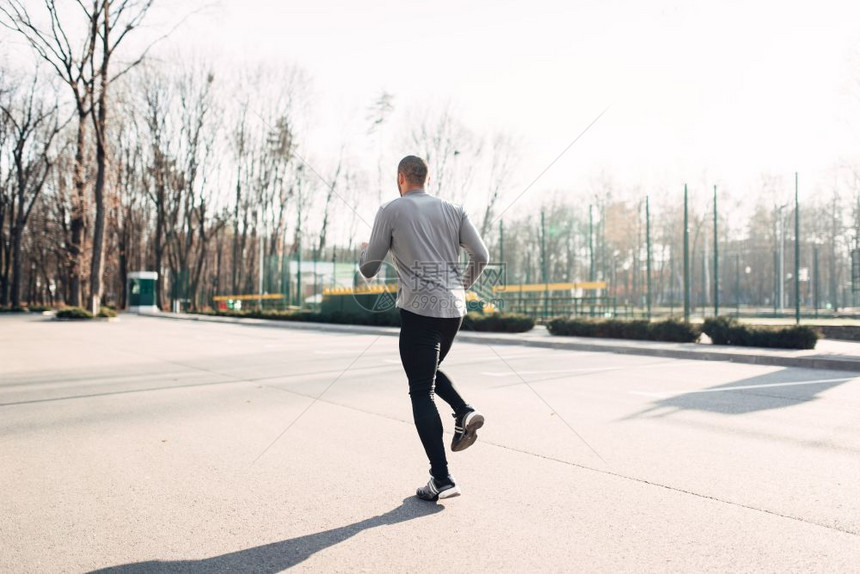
x=424 y=342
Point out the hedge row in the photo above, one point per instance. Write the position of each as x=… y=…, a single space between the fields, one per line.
x=721 y=330
x=670 y=331
x=727 y=331
x=74 y=313
x=499 y=322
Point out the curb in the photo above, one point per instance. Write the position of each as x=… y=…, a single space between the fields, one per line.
x=809 y=362
x=826 y=363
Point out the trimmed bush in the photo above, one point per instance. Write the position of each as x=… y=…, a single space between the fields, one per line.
x=667 y=331
x=74 y=313
x=106 y=313
x=727 y=331
x=498 y=323
x=721 y=330
x=675 y=331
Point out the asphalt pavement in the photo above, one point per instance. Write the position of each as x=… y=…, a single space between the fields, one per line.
x=146 y=445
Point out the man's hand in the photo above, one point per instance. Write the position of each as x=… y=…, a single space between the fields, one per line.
x=363 y=245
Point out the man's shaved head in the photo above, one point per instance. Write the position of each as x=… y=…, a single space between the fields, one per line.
x=414 y=169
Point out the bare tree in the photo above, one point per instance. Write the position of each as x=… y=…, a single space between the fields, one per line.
x=451 y=150
x=196 y=161
x=74 y=65
x=128 y=219
x=503 y=159
x=33 y=124
x=330 y=193
x=159 y=170
x=6 y=194
x=377 y=116
x=85 y=68
x=112 y=20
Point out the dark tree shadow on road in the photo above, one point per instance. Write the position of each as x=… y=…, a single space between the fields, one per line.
x=776 y=390
x=279 y=556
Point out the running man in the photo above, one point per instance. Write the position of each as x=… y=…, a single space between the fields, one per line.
x=424 y=234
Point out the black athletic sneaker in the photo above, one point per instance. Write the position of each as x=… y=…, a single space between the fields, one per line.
x=466 y=430
x=435 y=490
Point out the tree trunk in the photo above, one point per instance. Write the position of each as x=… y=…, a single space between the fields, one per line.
x=123 y=264
x=97 y=267
x=100 y=117
x=5 y=254
x=234 y=282
x=77 y=215
x=16 y=239
x=219 y=246
x=198 y=272
x=158 y=249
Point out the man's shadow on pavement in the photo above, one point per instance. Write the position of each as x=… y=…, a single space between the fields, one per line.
x=279 y=556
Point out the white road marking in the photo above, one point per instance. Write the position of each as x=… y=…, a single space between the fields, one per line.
x=674 y=363
x=460 y=359
x=463 y=360
x=484 y=356
x=545 y=372
x=664 y=394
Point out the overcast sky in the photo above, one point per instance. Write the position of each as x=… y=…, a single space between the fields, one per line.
x=703 y=92
x=716 y=91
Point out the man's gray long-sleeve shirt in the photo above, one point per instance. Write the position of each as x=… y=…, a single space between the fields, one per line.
x=424 y=234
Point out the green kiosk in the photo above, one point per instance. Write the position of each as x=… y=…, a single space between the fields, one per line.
x=141 y=292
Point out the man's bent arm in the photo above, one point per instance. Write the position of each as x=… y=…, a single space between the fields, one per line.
x=377 y=247
x=474 y=246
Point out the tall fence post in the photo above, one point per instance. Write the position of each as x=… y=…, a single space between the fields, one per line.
x=260 y=275
x=544 y=267
x=501 y=241
x=299 y=272
x=780 y=284
x=603 y=271
x=286 y=276
x=738 y=285
x=775 y=281
x=716 y=260
x=591 y=243
x=686 y=256
x=796 y=252
x=648 y=256
x=316 y=256
x=816 y=299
